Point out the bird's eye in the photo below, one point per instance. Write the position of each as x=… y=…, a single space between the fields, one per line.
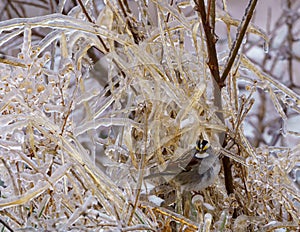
x=202 y=145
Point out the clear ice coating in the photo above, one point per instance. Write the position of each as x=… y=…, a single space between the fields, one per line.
x=77 y=140
x=266 y=46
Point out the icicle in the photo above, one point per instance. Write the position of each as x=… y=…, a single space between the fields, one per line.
x=266 y=46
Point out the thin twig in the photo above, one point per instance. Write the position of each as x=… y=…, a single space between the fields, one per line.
x=210 y=40
x=290 y=41
x=214 y=68
x=91 y=21
x=232 y=55
x=133 y=31
x=6 y=225
x=239 y=38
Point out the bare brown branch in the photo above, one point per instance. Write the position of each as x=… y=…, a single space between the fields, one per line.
x=210 y=40
x=239 y=38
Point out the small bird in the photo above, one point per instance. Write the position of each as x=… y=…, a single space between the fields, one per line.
x=193 y=171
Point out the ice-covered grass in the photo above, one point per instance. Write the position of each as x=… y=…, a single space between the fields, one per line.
x=77 y=140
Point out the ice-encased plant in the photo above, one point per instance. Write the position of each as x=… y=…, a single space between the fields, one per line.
x=76 y=142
